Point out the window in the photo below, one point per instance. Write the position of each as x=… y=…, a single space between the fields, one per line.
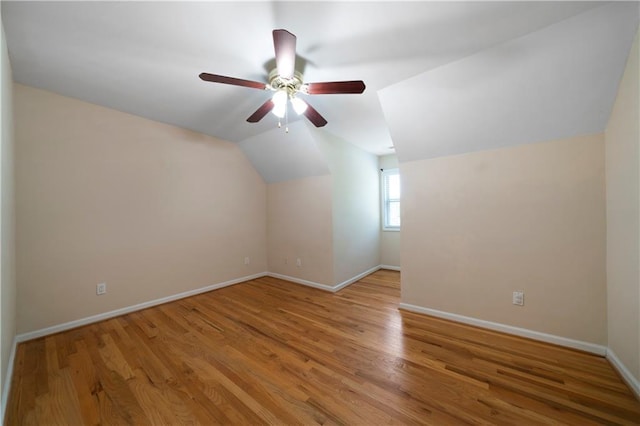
x=391 y=200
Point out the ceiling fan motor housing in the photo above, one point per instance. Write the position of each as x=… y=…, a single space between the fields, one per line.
x=290 y=85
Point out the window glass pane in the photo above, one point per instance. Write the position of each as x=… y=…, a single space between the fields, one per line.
x=391 y=199
x=394 y=213
x=394 y=187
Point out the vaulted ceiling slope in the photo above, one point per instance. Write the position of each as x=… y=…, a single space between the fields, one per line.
x=558 y=82
x=279 y=157
x=144 y=58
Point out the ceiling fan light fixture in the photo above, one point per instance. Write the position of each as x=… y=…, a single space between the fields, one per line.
x=299 y=106
x=279 y=103
x=280 y=97
x=279 y=110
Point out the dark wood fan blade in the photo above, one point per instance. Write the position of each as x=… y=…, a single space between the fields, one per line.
x=215 y=78
x=314 y=116
x=261 y=112
x=326 y=88
x=284 y=44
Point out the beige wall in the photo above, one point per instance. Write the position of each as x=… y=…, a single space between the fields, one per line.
x=355 y=213
x=389 y=240
x=478 y=226
x=390 y=248
x=623 y=214
x=300 y=225
x=330 y=222
x=7 y=221
x=103 y=196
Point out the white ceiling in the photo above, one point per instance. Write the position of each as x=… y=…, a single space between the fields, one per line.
x=144 y=57
x=278 y=157
x=558 y=82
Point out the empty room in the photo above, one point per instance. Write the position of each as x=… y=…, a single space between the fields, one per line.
x=319 y=212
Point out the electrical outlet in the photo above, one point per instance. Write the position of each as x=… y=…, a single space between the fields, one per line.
x=298 y=262
x=101 y=289
x=518 y=298
x=247 y=260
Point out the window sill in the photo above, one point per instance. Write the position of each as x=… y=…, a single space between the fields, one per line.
x=390 y=229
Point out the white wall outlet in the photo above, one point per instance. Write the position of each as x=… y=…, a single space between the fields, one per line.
x=518 y=298
x=298 y=262
x=101 y=289
x=247 y=260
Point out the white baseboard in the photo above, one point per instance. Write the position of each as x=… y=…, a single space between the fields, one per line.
x=6 y=389
x=128 y=309
x=390 y=267
x=301 y=281
x=106 y=315
x=632 y=381
x=517 y=331
x=324 y=287
x=356 y=278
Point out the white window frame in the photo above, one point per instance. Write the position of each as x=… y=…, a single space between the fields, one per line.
x=386 y=200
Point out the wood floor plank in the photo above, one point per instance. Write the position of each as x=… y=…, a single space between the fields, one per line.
x=272 y=352
x=85 y=382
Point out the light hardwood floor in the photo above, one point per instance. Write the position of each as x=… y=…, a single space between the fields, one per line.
x=269 y=351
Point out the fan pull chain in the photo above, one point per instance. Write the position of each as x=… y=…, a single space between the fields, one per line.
x=286 y=119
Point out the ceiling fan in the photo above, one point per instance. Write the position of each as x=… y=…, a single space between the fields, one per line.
x=287 y=83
